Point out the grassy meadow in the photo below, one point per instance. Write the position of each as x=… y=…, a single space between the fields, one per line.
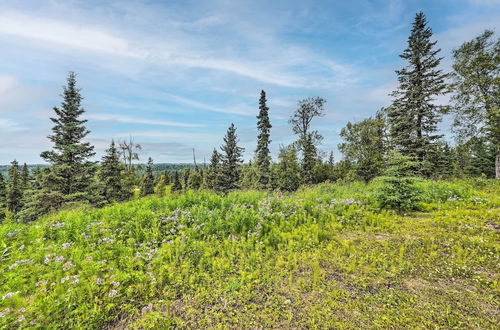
x=323 y=257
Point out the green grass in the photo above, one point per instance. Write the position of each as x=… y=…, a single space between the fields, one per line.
x=324 y=257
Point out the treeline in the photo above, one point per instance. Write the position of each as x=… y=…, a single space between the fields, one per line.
x=399 y=141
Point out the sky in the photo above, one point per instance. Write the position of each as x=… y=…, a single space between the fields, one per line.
x=175 y=74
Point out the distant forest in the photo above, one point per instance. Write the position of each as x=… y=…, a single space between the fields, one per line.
x=158 y=169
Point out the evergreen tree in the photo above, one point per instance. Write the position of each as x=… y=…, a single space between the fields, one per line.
x=398 y=190
x=308 y=139
x=25 y=177
x=112 y=176
x=213 y=171
x=288 y=170
x=231 y=162
x=148 y=182
x=71 y=171
x=13 y=198
x=3 y=193
x=413 y=115
x=177 y=183
x=186 y=173
x=195 y=180
x=476 y=99
x=263 y=158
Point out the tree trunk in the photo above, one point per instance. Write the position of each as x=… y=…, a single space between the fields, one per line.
x=497 y=167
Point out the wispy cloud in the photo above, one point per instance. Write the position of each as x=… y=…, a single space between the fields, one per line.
x=132 y=120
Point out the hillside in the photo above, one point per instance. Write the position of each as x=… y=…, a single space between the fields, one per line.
x=322 y=257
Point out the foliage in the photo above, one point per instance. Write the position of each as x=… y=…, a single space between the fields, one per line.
x=112 y=174
x=211 y=179
x=325 y=256
x=262 y=154
x=14 y=192
x=399 y=190
x=476 y=97
x=414 y=115
x=71 y=170
x=148 y=181
x=176 y=186
x=308 y=139
x=288 y=172
x=364 y=146
x=230 y=172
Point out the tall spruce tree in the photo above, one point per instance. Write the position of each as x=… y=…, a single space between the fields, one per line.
x=213 y=172
x=148 y=182
x=14 y=194
x=308 y=139
x=71 y=171
x=263 y=158
x=112 y=176
x=231 y=162
x=413 y=115
x=3 y=192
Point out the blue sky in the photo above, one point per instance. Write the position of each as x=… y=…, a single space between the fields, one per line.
x=175 y=74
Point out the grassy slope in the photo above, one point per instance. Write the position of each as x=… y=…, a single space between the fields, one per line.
x=250 y=260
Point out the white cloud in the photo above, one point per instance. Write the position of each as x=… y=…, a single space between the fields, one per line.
x=71 y=35
x=131 y=120
x=176 y=48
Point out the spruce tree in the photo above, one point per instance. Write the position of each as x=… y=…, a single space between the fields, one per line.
x=112 y=176
x=148 y=182
x=3 y=189
x=231 y=162
x=413 y=115
x=25 y=177
x=263 y=158
x=71 y=171
x=186 y=173
x=213 y=171
x=177 y=186
x=288 y=170
x=13 y=198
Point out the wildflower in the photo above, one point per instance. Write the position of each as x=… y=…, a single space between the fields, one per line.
x=21 y=310
x=66 y=245
x=10 y=234
x=102 y=261
x=21 y=247
x=58 y=224
x=115 y=283
x=99 y=281
x=348 y=201
x=2 y=314
x=21 y=319
x=9 y=295
x=68 y=265
x=146 y=308
x=60 y=258
x=113 y=293
x=88 y=258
